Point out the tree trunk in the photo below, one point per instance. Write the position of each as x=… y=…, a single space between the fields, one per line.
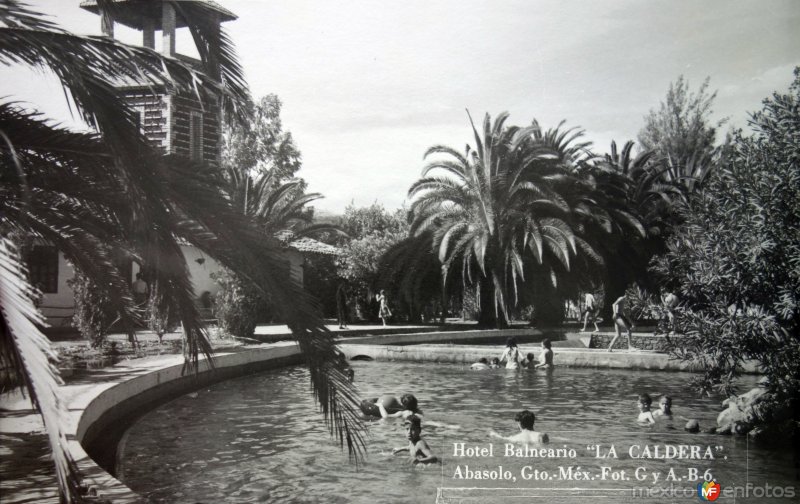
x=486 y=316
x=443 y=318
x=490 y=317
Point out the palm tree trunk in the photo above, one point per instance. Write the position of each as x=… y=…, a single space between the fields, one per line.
x=487 y=318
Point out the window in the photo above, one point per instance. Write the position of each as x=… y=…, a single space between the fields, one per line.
x=196 y=136
x=140 y=117
x=43 y=268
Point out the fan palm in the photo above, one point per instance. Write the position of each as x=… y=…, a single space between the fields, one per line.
x=95 y=194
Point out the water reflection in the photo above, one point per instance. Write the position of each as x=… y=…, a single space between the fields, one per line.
x=261 y=438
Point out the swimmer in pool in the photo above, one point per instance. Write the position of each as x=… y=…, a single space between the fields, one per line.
x=529 y=361
x=645 y=416
x=546 y=355
x=526 y=435
x=418 y=449
x=410 y=407
x=664 y=410
x=480 y=365
x=511 y=354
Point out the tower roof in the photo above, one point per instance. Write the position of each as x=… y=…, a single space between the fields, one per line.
x=133 y=13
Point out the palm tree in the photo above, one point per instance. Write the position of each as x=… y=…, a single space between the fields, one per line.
x=278 y=207
x=652 y=193
x=643 y=206
x=496 y=208
x=96 y=194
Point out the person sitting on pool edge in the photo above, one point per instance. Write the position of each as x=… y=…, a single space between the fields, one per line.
x=546 y=357
x=526 y=435
x=410 y=407
x=418 y=449
x=645 y=416
x=664 y=408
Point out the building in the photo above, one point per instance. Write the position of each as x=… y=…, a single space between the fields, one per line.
x=182 y=124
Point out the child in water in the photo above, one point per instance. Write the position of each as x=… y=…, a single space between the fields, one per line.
x=645 y=416
x=664 y=408
x=526 y=435
x=495 y=363
x=410 y=407
x=418 y=449
x=529 y=361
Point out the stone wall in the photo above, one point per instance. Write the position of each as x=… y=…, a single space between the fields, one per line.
x=639 y=341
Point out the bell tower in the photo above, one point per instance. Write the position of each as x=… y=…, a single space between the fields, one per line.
x=177 y=122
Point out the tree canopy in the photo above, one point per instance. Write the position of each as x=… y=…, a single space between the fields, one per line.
x=736 y=261
x=95 y=194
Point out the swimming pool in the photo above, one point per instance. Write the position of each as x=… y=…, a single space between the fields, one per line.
x=260 y=439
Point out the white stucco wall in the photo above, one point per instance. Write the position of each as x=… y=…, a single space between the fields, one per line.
x=58 y=307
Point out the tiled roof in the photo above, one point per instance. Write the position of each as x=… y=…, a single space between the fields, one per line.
x=313 y=246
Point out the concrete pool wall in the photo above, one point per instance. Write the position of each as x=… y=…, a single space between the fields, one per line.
x=102 y=407
x=101 y=411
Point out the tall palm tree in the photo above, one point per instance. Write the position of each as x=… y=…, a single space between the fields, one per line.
x=652 y=193
x=95 y=194
x=495 y=207
x=643 y=205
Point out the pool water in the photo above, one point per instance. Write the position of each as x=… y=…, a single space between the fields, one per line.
x=260 y=438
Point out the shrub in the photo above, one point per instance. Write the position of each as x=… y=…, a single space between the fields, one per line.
x=736 y=263
x=237 y=305
x=93 y=314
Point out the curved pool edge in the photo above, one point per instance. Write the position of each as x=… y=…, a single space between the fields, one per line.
x=467 y=354
x=101 y=410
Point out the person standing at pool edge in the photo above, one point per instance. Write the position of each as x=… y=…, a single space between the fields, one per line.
x=620 y=320
x=590 y=311
x=670 y=301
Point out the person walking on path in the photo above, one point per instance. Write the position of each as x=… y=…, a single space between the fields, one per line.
x=383 y=311
x=590 y=310
x=341 y=306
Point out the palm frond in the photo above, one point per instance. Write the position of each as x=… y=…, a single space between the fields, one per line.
x=28 y=360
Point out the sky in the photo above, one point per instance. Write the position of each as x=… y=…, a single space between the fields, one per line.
x=367 y=87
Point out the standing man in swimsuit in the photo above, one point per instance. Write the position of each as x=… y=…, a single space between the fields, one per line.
x=620 y=321
x=670 y=301
x=590 y=310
